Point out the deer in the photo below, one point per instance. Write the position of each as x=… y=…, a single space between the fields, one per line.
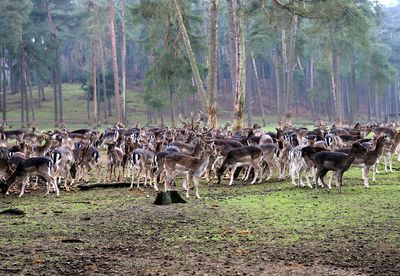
x=114 y=161
x=335 y=161
x=369 y=160
x=141 y=158
x=270 y=158
x=244 y=156
x=86 y=156
x=42 y=150
x=158 y=160
x=192 y=167
x=64 y=165
x=34 y=166
x=389 y=151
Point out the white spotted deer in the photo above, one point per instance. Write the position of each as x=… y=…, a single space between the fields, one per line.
x=192 y=167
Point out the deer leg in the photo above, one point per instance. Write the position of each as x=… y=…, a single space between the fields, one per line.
x=232 y=174
x=330 y=181
x=256 y=171
x=339 y=179
x=66 y=178
x=24 y=182
x=366 y=170
x=292 y=172
x=196 y=185
x=139 y=174
x=188 y=179
x=374 y=172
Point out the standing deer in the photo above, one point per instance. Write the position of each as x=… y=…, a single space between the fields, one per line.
x=35 y=166
x=244 y=156
x=192 y=167
x=335 y=161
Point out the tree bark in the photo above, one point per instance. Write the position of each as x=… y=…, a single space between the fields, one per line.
x=4 y=87
x=55 y=96
x=192 y=59
x=212 y=61
x=258 y=88
x=111 y=12
x=277 y=83
x=232 y=47
x=94 y=70
x=123 y=63
x=31 y=99
x=240 y=86
x=59 y=88
x=103 y=74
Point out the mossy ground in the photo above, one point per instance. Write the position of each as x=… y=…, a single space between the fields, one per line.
x=267 y=228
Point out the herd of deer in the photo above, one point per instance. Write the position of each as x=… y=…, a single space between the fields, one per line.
x=157 y=155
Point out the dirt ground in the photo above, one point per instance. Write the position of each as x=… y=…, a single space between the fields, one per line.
x=120 y=232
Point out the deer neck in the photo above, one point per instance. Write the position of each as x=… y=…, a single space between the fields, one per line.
x=379 y=147
x=350 y=158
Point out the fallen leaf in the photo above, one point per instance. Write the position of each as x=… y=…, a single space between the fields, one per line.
x=244 y=232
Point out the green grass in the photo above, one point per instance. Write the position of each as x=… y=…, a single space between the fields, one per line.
x=75 y=110
x=271 y=220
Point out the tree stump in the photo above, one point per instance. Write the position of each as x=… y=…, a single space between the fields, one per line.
x=166 y=198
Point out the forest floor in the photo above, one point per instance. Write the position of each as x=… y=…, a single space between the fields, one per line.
x=267 y=228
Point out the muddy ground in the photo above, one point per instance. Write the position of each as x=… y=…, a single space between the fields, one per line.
x=268 y=228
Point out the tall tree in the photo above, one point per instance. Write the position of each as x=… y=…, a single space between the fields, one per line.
x=240 y=74
x=190 y=54
x=212 y=61
x=123 y=60
x=111 y=16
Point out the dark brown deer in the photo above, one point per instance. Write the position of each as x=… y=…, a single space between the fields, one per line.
x=35 y=166
x=335 y=161
x=238 y=157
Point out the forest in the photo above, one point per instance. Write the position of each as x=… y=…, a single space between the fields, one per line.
x=201 y=137
x=240 y=61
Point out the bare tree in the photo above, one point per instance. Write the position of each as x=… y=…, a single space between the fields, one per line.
x=111 y=13
x=240 y=76
x=212 y=61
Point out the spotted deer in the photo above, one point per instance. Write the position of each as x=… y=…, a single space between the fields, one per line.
x=192 y=167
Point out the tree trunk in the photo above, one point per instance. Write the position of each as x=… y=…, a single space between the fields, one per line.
x=212 y=61
x=22 y=83
x=250 y=92
x=103 y=75
x=94 y=70
x=285 y=70
x=31 y=99
x=54 y=69
x=290 y=65
x=4 y=87
x=240 y=86
x=232 y=47
x=111 y=12
x=55 y=96
x=396 y=99
x=192 y=59
x=258 y=88
x=277 y=83
x=123 y=63
x=352 y=91
x=171 y=101
x=59 y=88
